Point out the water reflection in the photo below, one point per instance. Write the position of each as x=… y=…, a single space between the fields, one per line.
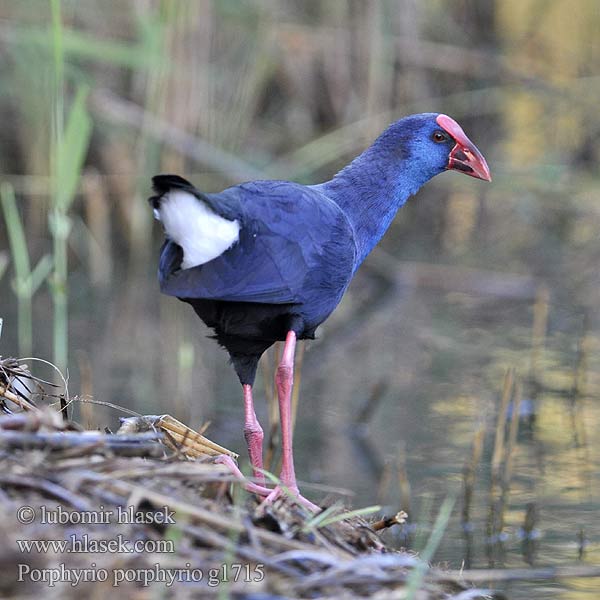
x=403 y=394
x=441 y=398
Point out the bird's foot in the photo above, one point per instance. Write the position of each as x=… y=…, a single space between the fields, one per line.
x=291 y=492
x=270 y=495
x=249 y=486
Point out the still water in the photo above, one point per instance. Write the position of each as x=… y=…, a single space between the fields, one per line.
x=405 y=376
x=422 y=355
x=438 y=392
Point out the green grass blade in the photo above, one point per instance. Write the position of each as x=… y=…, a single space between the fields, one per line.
x=40 y=272
x=22 y=266
x=359 y=512
x=416 y=576
x=317 y=520
x=16 y=233
x=425 y=514
x=133 y=56
x=271 y=477
x=72 y=149
x=329 y=516
x=59 y=68
x=80 y=45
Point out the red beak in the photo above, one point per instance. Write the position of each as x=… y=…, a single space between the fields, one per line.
x=464 y=157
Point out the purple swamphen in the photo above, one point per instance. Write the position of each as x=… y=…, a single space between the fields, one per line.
x=270 y=260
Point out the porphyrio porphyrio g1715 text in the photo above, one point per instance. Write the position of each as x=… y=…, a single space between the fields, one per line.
x=270 y=260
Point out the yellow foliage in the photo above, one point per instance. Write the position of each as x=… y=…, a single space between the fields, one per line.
x=555 y=42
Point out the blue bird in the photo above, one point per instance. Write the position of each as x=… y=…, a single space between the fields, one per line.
x=270 y=260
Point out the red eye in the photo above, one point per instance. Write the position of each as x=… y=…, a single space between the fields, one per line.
x=439 y=136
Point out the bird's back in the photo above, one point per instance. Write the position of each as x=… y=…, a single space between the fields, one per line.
x=293 y=247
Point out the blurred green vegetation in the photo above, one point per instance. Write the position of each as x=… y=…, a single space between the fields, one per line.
x=96 y=97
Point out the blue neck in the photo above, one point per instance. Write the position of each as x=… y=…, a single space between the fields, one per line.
x=371 y=189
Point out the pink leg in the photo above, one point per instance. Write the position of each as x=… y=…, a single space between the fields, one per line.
x=254 y=435
x=284 y=380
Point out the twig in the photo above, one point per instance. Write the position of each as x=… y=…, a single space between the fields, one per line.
x=217 y=540
x=46 y=487
x=398 y=519
x=21 y=402
x=212 y=519
x=139 y=445
x=193 y=443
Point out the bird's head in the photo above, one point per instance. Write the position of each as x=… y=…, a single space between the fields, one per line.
x=435 y=142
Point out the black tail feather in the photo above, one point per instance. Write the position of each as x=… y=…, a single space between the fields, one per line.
x=161 y=184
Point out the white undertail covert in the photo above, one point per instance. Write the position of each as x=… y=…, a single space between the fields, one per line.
x=190 y=223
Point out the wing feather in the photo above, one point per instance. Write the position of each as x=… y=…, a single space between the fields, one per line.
x=291 y=237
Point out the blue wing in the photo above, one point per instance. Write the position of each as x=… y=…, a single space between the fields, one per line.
x=295 y=246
